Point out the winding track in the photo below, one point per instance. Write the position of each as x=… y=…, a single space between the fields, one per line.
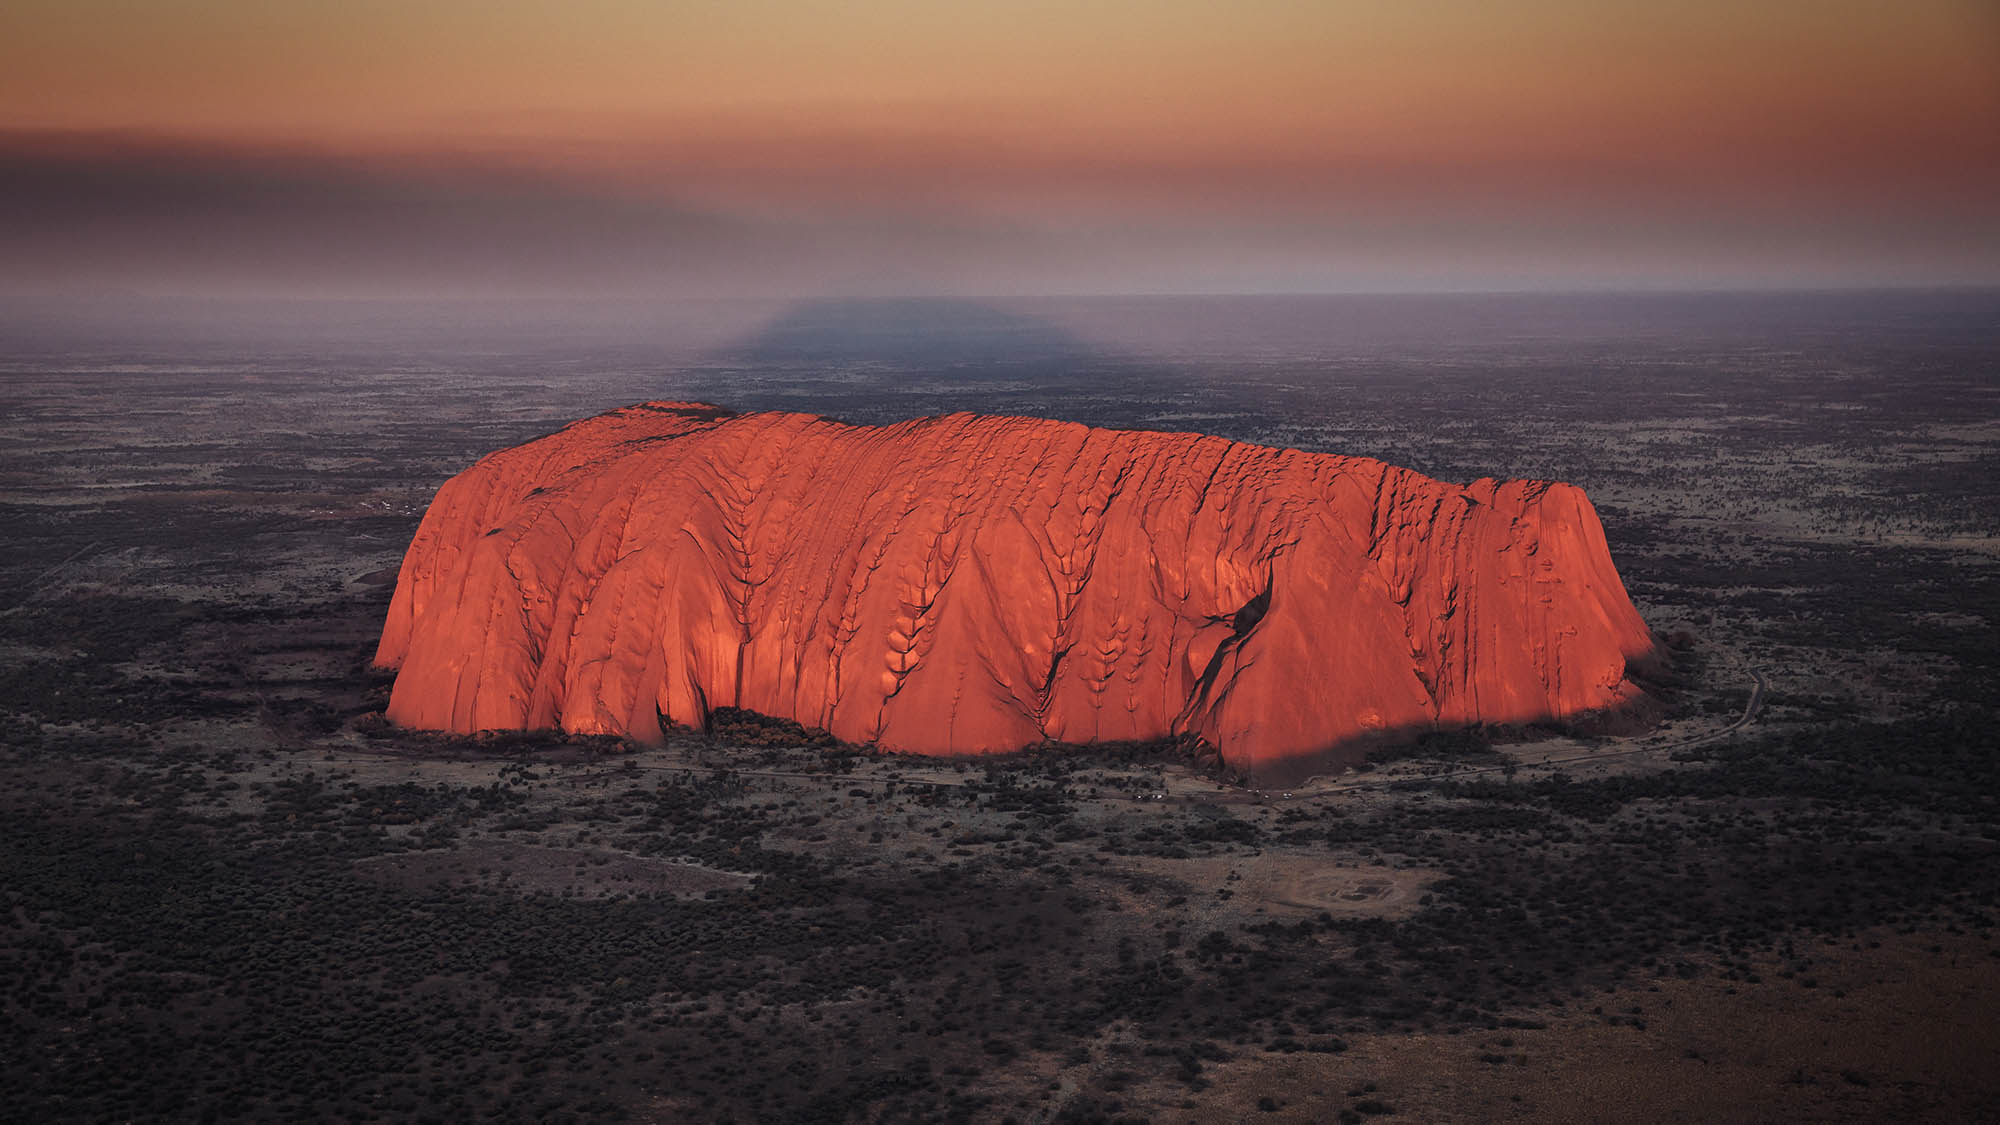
x=41 y=581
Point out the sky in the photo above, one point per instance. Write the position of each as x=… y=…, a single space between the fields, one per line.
x=757 y=147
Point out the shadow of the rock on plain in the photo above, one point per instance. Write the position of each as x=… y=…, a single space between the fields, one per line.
x=932 y=336
x=882 y=360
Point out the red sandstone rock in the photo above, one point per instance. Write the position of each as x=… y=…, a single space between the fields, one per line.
x=968 y=584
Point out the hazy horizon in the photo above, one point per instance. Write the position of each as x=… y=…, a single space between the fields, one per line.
x=766 y=149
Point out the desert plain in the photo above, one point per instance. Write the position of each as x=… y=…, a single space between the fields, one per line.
x=233 y=890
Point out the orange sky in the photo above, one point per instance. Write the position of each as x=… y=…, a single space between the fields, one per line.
x=1195 y=119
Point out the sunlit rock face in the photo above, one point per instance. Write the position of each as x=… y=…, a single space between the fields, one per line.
x=970 y=584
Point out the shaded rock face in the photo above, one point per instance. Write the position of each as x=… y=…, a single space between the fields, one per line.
x=970 y=584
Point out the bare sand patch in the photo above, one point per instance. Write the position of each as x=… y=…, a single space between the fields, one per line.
x=1302 y=885
x=1898 y=1028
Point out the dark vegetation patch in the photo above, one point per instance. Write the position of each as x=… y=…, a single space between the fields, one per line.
x=79 y=674
x=1465 y=746
x=105 y=628
x=167 y=938
x=80 y=690
x=1066 y=758
x=734 y=726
